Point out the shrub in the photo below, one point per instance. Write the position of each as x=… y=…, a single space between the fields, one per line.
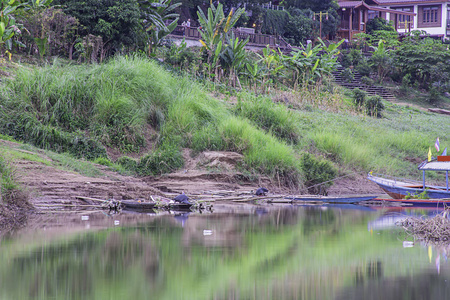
x=103 y=161
x=434 y=94
x=377 y=24
x=318 y=174
x=363 y=67
x=359 y=97
x=367 y=80
x=374 y=106
x=351 y=58
x=128 y=163
x=165 y=159
x=406 y=82
x=348 y=75
x=9 y=188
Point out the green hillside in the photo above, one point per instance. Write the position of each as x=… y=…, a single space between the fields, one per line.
x=133 y=104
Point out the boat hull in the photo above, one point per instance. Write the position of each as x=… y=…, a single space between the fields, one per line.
x=400 y=190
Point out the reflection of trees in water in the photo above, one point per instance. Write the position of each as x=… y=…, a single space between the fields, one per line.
x=373 y=270
x=73 y=268
x=419 y=286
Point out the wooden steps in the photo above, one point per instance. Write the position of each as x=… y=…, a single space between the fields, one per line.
x=357 y=83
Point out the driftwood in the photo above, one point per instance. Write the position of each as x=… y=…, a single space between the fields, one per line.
x=435 y=230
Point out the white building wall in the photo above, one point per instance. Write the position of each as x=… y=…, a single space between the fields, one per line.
x=430 y=30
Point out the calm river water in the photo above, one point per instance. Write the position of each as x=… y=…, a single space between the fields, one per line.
x=286 y=252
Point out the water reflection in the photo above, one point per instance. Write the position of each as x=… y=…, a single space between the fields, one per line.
x=268 y=253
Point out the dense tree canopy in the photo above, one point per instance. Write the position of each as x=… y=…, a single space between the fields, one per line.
x=116 y=21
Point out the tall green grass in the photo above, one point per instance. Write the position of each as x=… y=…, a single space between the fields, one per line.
x=8 y=185
x=393 y=145
x=272 y=118
x=113 y=104
x=83 y=109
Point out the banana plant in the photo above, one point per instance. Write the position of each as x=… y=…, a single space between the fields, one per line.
x=8 y=26
x=36 y=4
x=215 y=25
x=254 y=74
x=272 y=61
x=157 y=13
x=232 y=57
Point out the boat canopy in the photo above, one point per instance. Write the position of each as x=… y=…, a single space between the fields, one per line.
x=435 y=165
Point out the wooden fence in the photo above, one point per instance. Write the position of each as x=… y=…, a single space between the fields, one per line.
x=255 y=39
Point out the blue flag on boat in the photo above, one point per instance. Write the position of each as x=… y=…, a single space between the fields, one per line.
x=436 y=145
x=444 y=153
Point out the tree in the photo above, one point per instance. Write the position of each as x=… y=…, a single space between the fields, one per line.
x=381 y=60
x=425 y=60
x=116 y=21
x=49 y=29
x=379 y=24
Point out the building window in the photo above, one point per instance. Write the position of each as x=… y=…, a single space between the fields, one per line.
x=430 y=16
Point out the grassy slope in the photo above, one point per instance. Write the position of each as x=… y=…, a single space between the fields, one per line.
x=115 y=103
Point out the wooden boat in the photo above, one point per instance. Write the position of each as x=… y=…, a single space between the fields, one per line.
x=399 y=189
x=136 y=205
x=326 y=199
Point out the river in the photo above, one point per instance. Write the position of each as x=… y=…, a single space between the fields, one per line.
x=285 y=252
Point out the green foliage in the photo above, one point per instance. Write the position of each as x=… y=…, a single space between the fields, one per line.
x=208 y=139
x=390 y=38
x=378 y=24
x=367 y=80
x=348 y=75
x=275 y=21
x=351 y=58
x=406 y=82
x=381 y=60
x=423 y=195
x=182 y=57
x=8 y=26
x=363 y=67
x=165 y=159
x=359 y=97
x=157 y=13
x=215 y=25
x=299 y=27
x=318 y=174
x=8 y=185
x=103 y=161
x=308 y=65
x=128 y=163
x=53 y=106
x=425 y=60
x=273 y=118
x=329 y=25
x=232 y=56
x=374 y=106
x=118 y=23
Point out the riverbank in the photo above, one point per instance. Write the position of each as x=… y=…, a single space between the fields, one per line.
x=50 y=184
